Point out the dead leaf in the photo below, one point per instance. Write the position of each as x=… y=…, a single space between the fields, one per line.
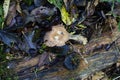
x=42 y=59
x=11 y=13
x=18 y=8
x=6 y=7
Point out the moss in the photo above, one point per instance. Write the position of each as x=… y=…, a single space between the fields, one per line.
x=5 y=73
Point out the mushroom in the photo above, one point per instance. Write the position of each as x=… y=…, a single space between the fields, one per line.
x=58 y=36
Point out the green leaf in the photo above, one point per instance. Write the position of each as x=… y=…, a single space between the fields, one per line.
x=1 y=10
x=81 y=26
x=65 y=16
x=57 y=3
x=1 y=17
x=28 y=2
x=1 y=20
x=118 y=0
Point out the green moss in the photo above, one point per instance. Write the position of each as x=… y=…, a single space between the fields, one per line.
x=5 y=73
x=42 y=49
x=1 y=16
x=28 y=2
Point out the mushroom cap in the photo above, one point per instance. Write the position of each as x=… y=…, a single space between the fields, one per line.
x=57 y=36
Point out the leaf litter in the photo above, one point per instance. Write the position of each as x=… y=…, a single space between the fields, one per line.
x=27 y=27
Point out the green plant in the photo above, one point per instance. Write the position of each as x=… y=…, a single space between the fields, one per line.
x=1 y=17
x=57 y=3
x=28 y=2
x=72 y=79
x=42 y=49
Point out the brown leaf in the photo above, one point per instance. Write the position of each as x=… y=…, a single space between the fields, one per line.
x=18 y=8
x=11 y=13
x=46 y=58
x=42 y=59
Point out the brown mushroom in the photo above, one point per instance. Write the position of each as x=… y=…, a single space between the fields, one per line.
x=57 y=36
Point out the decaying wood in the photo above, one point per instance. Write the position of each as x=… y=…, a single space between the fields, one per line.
x=96 y=59
x=95 y=63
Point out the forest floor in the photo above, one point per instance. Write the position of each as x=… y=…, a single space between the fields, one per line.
x=60 y=40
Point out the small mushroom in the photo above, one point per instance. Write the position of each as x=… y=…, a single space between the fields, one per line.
x=58 y=36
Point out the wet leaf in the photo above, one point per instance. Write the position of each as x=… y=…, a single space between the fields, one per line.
x=43 y=59
x=46 y=59
x=81 y=26
x=39 y=2
x=40 y=13
x=71 y=62
x=11 y=14
x=6 y=7
x=18 y=8
x=1 y=17
x=28 y=45
x=1 y=10
x=65 y=49
x=65 y=16
x=8 y=38
x=57 y=3
x=79 y=2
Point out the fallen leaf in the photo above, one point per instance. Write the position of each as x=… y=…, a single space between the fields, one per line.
x=18 y=8
x=27 y=44
x=11 y=13
x=8 y=38
x=65 y=16
x=6 y=7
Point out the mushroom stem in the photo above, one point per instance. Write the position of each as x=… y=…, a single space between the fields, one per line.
x=79 y=38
